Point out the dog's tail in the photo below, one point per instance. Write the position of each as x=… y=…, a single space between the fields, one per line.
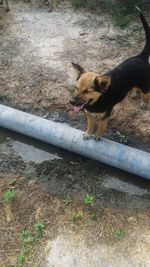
x=146 y=51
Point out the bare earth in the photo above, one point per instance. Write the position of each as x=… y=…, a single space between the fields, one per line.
x=36 y=51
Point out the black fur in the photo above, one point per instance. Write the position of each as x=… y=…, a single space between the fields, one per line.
x=133 y=72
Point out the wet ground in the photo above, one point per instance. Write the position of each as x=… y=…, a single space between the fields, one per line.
x=50 y=184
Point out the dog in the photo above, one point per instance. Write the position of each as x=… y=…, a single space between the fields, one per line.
x=98 y=94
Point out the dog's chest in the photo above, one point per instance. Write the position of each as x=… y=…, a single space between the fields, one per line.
x=97 y=115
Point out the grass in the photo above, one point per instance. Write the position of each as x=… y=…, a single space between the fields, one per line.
x=9 y=195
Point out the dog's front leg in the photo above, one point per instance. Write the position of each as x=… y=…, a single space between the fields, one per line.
x=100 y=129
x=91 y=124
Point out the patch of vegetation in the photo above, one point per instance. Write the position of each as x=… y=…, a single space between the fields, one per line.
x=122 y=137
x=77 y=215
x=28 y=238
x=122 y=12
x=9 y=195
x=12 y=182
x=22 y=259
x=120 y=234
x=88 y=199
x=94 y=216
x=67 y=200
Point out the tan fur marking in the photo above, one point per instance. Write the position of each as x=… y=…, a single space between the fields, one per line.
x=146 y=100
x=136 y=92
x=91 y=124
x=101 y=129
x=147 y=97
x=104 y=82
x=85 y=89
x=91 y=121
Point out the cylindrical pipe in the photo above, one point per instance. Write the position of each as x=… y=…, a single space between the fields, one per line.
x=66 y=137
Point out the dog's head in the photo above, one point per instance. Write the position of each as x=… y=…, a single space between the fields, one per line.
x=89 y=87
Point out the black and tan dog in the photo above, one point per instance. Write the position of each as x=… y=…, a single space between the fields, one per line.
x=97 y=95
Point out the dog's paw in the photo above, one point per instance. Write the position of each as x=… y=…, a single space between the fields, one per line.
x=97 y=137
x=87 y=136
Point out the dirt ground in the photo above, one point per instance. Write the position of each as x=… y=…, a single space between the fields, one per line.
x=36 y=51
x=121 y=203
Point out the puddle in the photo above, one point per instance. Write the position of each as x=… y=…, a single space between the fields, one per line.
x=31 y=153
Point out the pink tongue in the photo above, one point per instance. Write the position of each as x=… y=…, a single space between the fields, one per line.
x=78 y=108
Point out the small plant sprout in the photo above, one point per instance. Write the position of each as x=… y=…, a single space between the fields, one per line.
x=88 y=199
x=25 y=234
x=120 y=234
x=38 y=231
x=78 y=215
x=67 y=200
x=9 y=195
x=12 y=182
x=94 y=216
x=22 y=259
x=122 y=138
x=39 y=226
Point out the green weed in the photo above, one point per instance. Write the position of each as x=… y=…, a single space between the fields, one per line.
x=122 y=137
x=28 y=238
x=78 y=215
x=88 y=199
x=9 y=195
x=12 y=181
x=67 y=200
x=120 y=234
x=94 y=216
x=22 y=259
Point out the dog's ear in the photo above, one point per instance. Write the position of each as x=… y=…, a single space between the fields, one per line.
x=101 y=83
x=79 y=70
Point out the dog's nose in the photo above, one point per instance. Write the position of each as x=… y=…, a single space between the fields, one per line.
x=72 y=101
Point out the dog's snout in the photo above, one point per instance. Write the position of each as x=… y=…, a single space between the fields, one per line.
x=73 y=100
